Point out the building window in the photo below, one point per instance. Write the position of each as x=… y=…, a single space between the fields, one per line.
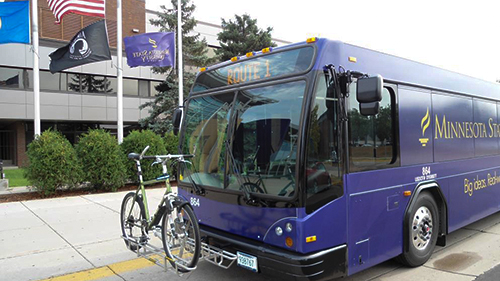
x=96 y=84
x=130 y=87
x=153 y=90
x=113 y=84
x=74 y=82
x=11 y=78
x=19 y=78
x=143 y=88
x=53 y=82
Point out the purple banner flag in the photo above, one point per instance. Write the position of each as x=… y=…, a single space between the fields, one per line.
x=151 y=49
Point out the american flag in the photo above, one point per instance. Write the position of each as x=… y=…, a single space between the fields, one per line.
x=83 y=7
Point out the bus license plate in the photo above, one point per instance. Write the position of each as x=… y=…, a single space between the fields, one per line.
x=247 y=261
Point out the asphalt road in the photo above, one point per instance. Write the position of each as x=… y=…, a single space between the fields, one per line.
x=78 y=238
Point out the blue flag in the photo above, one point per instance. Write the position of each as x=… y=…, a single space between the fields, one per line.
x=151 y=49
x=15 y=22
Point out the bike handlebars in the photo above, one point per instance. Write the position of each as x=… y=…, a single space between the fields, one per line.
x=144 y=152
x=138 y=157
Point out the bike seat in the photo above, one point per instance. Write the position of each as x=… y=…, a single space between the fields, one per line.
x=133 y=155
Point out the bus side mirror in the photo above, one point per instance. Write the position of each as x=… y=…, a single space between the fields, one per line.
x=369 y=109
x=176 y=120
x=369 y=94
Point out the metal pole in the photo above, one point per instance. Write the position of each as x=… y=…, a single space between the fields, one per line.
x=36 y=72
x=179 y=43
x=119 y=93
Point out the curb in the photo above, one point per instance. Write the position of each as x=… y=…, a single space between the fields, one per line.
x=16 y=190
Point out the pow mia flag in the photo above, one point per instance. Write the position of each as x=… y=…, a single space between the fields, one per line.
x=89 y=45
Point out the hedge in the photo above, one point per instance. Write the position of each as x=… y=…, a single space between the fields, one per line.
x=53 y=163
x=103 y=160
x=136 y=141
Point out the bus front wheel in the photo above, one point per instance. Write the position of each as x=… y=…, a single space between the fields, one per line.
x=422 y=232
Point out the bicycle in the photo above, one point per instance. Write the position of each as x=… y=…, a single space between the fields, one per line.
x=180 y=232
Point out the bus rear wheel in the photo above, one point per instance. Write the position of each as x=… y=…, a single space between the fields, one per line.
x=422 y=232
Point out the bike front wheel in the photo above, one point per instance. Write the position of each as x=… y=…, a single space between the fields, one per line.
x=181 y=237
x=132 y=216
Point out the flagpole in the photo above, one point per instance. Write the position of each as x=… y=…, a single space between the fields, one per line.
x=36 y=69
x=179 y=44
x=119 y=70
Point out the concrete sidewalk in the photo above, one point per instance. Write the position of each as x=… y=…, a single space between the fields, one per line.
x=52 y=237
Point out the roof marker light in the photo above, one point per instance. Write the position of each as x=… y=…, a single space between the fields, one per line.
x=233 y=59
x=267 y=50
x=311 y=40
x=203 y=69
x=250 y=54
x=353 y=59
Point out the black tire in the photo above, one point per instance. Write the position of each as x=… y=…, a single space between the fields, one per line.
x=422 y=233
x=181 y=240
x=130 y=225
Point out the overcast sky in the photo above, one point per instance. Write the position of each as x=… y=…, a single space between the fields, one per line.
x=463 y=36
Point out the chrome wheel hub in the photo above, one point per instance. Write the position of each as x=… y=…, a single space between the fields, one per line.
x=422 y=228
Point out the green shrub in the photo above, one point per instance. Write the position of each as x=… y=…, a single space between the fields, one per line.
x=172 y=146
x=52 y=163
x=136 y=141
x=171 y=143
x=102 y=160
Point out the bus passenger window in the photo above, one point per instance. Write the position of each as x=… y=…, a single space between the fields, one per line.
x=323 y=167
x=371 y=138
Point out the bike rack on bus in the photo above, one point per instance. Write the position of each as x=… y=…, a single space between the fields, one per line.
x=219 y=257
x=214 y=255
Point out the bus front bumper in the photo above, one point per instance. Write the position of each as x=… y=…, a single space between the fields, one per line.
x=323 y=265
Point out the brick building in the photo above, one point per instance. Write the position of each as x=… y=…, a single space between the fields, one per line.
x=67 y=103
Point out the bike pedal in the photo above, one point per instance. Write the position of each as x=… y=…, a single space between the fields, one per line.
x=143 y=240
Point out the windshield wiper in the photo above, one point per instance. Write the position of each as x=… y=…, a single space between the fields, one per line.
x=249 y=198
x=197 y=189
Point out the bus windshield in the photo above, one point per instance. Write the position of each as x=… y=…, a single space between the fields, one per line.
x=245 y=139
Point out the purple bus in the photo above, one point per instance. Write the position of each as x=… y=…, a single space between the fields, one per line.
x=320 y=159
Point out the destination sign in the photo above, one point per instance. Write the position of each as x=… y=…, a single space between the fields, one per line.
x=248 y=72
x=259 y=68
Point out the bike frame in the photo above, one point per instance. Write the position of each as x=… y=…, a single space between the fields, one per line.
x=152 y=221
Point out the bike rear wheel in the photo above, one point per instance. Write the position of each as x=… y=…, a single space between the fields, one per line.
x=181 y=237
x=132 y=215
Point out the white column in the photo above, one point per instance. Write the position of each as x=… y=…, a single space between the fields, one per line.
x=119 y=74
x=36 y=72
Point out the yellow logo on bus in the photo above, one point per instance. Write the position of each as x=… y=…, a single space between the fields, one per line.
x=424 y=124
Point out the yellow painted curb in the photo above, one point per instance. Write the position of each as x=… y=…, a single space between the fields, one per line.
x=109 y=270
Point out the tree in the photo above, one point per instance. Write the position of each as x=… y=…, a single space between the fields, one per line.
x=194 y=53
x=241 y=36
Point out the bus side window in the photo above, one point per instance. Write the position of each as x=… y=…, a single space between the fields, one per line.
x=323 y=167
x=372 y=142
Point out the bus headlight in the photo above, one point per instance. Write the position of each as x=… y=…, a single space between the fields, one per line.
x=288 y=227
x=279 y=231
